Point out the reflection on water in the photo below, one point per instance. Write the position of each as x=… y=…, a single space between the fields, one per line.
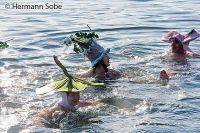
x=132 y=29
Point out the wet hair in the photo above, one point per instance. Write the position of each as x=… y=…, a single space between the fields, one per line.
x=177 y=46
x=101 y=62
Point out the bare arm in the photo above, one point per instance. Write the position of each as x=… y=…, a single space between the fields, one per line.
x=47 y=113
x=192 y=55
x=44 y=115
x=88 y=103
x=87 y=74
x=114 y=74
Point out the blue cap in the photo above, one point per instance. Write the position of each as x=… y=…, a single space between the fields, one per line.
x=95 y=53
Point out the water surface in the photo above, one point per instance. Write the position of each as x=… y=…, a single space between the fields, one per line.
x=132 y=29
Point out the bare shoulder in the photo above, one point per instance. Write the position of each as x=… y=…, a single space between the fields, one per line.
x=42 y=118
x=47 y=112
x=114 y=74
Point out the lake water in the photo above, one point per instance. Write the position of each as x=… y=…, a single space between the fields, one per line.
x=132 y=29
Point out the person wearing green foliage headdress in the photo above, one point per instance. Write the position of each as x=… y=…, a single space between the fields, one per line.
x=100 y=60
x=70 y=102
x=69 y=89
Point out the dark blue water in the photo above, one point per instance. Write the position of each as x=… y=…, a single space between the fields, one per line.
x=132 y=29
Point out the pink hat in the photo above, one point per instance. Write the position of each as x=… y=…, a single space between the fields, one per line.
x=172 y=34
x=192 y=35
x=184 y=39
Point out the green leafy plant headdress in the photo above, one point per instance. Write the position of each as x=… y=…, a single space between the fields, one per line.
x=80 y=40
x=68 y=84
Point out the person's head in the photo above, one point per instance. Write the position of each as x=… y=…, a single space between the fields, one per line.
x=96 y=53
x=106 y=60
x=73 y=98
x=179 y=41
x=101 y=68
x=177 y=46
x=163 y=75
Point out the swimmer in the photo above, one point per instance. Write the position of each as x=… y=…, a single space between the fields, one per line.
x=100 y=61
x=164 y=75
x=180 y=43
x=69 y=89
x=69 y=102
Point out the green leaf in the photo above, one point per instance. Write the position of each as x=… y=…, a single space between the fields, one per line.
x=67 y=86
x=77 y=34
x=84 y=81
x=69 y=83
x=77 y=48
x=85 y=35
x=96 y=36
x=3 y=45
x=85 y=46
x=60 y=83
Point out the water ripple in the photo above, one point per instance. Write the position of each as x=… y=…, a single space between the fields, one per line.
x=132 y=29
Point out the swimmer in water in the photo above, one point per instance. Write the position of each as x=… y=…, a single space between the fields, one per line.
x=69 y=102
x=100 y=62
x=179 y=48
x=69 y=89
x=180 y=43
x=164 y=75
